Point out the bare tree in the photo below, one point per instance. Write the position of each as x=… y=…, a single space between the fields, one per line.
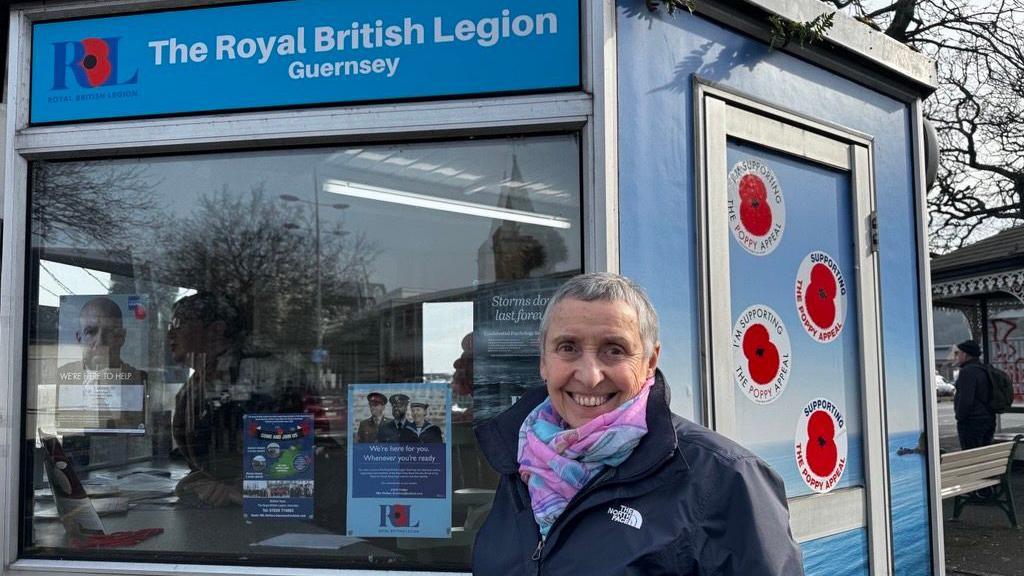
x=250 y=249
x=90 y=204
x=977 y=110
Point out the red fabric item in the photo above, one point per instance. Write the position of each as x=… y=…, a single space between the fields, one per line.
x=117 y=539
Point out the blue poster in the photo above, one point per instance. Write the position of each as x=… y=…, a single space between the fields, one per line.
x=299 y=52
x=399 y=460
x=278 y=464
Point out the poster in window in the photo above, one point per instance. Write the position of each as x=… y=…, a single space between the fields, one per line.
x=102 y=343
x=399 y=460
x=278 y=464
x=506 y=342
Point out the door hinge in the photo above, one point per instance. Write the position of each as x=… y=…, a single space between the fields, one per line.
x=873 y=230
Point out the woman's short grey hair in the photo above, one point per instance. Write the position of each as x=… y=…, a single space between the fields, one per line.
x=610 y=288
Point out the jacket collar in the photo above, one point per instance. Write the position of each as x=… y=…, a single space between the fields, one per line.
x=499 y=436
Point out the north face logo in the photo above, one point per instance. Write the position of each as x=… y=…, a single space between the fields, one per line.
x=626 y=515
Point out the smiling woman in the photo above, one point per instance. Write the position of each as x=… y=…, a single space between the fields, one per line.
x=615 y=483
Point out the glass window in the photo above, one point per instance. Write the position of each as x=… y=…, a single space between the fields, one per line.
x=277 y=357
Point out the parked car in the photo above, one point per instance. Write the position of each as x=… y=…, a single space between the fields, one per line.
x=943 y=387
x=329 y=414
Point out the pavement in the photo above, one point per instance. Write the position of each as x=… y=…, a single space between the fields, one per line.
x=981 y=542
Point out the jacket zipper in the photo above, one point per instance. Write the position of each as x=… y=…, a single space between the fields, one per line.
x=538 y=553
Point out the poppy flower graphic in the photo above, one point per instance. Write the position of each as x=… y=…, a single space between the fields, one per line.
x=96 y=61
x=821 y=296
x=822 y=452
x=140 y=312
x=762 y=356
x=755 y=212
x=399 y=515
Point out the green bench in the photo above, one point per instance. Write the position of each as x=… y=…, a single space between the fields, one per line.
x=980 y=476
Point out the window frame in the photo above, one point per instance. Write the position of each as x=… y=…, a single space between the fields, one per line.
x=591 y=112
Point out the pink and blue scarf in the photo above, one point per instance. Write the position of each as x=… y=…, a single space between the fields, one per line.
x=556 y=462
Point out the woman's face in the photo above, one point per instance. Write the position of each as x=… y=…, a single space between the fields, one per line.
x=593 y=359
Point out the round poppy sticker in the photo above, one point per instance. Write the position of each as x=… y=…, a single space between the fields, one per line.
x=821 y=297
x=760 y=354
x=821 y=445
x=757 y=210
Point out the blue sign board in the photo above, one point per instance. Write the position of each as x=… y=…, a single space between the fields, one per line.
x=300 y=52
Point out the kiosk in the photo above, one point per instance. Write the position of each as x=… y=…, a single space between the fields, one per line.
x=243 y=239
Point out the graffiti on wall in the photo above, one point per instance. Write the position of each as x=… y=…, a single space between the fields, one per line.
x=1007 y=343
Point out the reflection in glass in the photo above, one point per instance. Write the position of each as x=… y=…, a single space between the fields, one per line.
x=261 y=285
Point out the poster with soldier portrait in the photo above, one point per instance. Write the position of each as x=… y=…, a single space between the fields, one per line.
x=399 y=460
x=102 y=347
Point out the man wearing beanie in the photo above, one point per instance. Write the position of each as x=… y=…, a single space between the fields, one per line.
x=975 y=420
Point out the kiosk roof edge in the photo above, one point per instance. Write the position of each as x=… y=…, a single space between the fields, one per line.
x=860 y=42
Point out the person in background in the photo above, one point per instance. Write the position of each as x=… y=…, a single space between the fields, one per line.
x=420 y=430
x=392 y=431
x=975 y=420
x=462 y=376
x=206 y=335
x=369 y=428
x=598 y=476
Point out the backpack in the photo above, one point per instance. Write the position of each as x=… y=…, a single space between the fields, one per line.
x=1002 y=389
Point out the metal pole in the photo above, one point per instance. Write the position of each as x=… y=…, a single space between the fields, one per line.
x=319 y=287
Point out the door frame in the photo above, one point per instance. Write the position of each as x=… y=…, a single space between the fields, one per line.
x=719 y=114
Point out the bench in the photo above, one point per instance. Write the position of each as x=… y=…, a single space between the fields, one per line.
x=980 y=476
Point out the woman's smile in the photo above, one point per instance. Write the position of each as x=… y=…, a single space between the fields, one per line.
x=590 y=400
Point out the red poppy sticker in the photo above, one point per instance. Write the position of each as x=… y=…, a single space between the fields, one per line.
x=821 y=445
x=96 y=61
x=821 y=297
x=757 y=210
x=760 y=354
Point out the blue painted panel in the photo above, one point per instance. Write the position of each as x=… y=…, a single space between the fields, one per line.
x=818 y=216
x=299 y=52
x=658 y=56
x=843 y=554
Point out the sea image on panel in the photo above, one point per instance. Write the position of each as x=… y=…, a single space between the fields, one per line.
x=846 y=554
x=908 y=488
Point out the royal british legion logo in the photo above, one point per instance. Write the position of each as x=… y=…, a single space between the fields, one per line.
x=397 y=516
x=93 y=62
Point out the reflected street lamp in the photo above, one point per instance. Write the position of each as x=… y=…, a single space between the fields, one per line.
x=318 y=356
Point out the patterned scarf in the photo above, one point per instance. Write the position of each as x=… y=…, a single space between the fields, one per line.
x=555 y=462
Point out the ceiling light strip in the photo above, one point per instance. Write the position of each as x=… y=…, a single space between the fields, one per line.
x=368 y=192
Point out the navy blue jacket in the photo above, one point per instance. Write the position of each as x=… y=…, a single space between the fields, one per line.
x=973 y=392
x=688 y=501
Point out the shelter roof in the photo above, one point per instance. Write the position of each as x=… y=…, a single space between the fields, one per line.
x=1004 y=251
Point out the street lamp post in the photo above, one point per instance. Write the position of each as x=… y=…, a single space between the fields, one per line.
x=319 y=278
x=318 y=353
